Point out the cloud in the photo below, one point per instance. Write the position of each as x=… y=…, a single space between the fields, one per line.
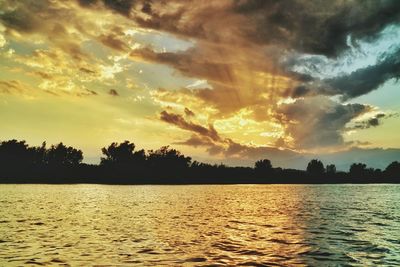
x=373 y=121
x=210 y=139
x=271 y=29
x=316 y=28
x=113 y=92
x=15 y=87
x=22 y=18
x=240 y=49
x=319 y=121
x=363 y=81
x=306 y=26
x=55 y=73
x=212 y=148
x=179 y=121
x=190 y=62
x=302 y=26
x=235 y=81
x=114 y=39
x=357 y=83
x=3 y=41
x=12 y=87
x=188 y=112
x=121 y=6
x=263 y=31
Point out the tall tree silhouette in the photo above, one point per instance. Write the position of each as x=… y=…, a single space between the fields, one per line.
x=123 y=163
x=392 y=171
x=357 y=170
x=118 y=153
x=61 y=155
x=315 y=168
x=14 y=152
x=168 y=158
x=122 y=154
x=39 y=154
x=331 y=169
x=263 y=167
x=168 y=162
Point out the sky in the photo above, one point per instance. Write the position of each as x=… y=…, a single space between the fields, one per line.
x=224 y=81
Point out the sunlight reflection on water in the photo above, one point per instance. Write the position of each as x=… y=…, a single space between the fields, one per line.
x=200 y=225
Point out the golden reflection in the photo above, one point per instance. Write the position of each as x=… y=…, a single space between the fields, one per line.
x=252 y=225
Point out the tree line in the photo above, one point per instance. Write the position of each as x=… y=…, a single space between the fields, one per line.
x=121 y=163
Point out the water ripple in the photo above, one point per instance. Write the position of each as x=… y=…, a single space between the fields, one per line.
x=238 y=225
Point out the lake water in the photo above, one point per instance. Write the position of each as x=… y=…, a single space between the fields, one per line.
x=200 y=225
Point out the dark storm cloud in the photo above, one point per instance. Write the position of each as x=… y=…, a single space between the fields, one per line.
x=357 y=83
x=21 y=21
x=121 y=6
x=307 y=26
x=146 y=8
x=318 y=121
x=297 y=25
x=300 y=91
x=87 y=2
x=314 y=88
x=314 y=27
x=365 y=80
x=22 y=16
x=317 y=27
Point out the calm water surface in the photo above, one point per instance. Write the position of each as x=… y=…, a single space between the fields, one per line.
x=200 y=225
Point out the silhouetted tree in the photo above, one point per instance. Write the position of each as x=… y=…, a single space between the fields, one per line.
x=118 y=153
x=315 y=167
x=357 y=169
x=331 y=169
x=263 y=165
x=39 y=154
x=121 y=164
x=61 y=155
x=263 y=168
x=168 y=158
x=168 y=163
x=14 y=152
x=393 y=170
